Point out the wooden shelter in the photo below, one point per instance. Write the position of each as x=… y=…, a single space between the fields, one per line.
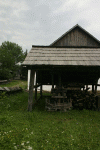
x=72 y=58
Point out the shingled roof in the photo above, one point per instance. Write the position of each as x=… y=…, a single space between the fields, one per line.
x=46 y=55
x=75 y=47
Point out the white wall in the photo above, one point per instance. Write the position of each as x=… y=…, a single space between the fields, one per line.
x=45 y=87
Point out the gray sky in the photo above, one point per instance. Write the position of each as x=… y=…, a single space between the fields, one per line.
x=40 y=22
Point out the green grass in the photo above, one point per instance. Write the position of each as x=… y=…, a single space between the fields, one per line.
x=13 y=83
x=42 y=130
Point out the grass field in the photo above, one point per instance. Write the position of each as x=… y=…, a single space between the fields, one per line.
x=42 y=130
x=13 y=83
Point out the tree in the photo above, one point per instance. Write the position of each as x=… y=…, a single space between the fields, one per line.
x=10 y=55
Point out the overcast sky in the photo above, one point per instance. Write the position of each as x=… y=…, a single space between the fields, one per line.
x=40 y=22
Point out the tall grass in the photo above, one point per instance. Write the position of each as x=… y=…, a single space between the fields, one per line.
x=42 y=130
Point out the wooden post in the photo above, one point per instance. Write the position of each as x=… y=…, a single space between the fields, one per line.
x=29 y=71
x=52 y=81
x=59 y=79
x=41 y=91
x=83 y=88
x=92 y=87
x=86 y=86
x=36 y=88
x=95 y=89
x=36 y=93
x=31 y=85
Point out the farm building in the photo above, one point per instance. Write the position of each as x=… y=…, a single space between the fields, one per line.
x=72 y=62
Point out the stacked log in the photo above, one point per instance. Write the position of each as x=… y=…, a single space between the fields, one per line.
x=84 y=100
x=10 y=89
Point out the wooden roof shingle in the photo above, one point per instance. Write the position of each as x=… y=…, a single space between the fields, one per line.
x=39 y=55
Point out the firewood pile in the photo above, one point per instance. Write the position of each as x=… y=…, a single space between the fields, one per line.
x=72 y=97
x=84 y=100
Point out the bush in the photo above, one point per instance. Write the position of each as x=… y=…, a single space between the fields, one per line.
x=2 y=95
x=5 y=74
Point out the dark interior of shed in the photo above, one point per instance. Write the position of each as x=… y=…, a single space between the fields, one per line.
x=69 y=75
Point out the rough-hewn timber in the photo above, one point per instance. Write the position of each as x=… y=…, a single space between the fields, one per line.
x=30 y=99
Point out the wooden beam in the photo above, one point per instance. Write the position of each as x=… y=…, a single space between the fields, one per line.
x=36 y=94
x=31 y=85
x=41 y=91
x=52 y=81
x=59 y=79
x=29 y=71
x=92 y=87
x=86 y=86
x=36 y=88
x=95 y=89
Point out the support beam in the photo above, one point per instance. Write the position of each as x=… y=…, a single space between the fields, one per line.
x=36 y=94
x=36 y=88
x=41 y=91
x=59 y=79
x=83 y=88
x=52 y=81
x=29 y=72
x=31 y=85
x=86 y=86
x=93 y=88
x=37 y=85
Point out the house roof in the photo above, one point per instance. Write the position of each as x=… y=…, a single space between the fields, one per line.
x=73 y=29
x=46 y=55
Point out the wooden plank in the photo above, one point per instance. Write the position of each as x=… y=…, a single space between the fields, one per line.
x=36 y=86
x=76 y=37
x=59 y=97
x=3 y=81
x=30 y=99
x=7 y=89
x=72 y=88
x=2 y=89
